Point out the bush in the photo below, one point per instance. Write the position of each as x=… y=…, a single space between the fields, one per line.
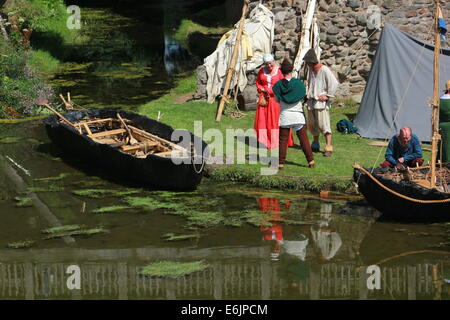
x=20 y=85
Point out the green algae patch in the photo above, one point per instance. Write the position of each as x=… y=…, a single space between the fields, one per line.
x=23 y=202
x=257 y=218
x=204 y=219
x=65 y=228
x=8 y=140
x=49 y=188
x=21 y=244
x=181 y=237
x=59 y=177
x=93 y=193
x=110 y=209
x=86 y=232
x=103 y=193
x=151 y=203
x=173 y=269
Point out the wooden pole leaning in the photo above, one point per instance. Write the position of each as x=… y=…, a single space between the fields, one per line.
x=435 y=105
x=232 y=64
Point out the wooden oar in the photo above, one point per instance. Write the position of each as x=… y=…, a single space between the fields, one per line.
x=132 y=139
x=43 y=102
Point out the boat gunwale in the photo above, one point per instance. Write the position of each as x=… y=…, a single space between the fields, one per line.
x=53 y=121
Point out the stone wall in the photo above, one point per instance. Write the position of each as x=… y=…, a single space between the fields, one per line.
x=347 y=32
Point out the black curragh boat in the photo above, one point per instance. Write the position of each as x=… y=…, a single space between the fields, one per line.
x=402 y=200
x=130 y=147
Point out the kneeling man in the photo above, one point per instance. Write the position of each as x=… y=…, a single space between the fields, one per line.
x=403 y=150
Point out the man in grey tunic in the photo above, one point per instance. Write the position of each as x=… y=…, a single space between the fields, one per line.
x=322 y=85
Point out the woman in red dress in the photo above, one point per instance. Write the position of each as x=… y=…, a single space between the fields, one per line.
x=267 y=117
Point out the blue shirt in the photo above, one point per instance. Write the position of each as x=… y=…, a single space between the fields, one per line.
x=410 y=152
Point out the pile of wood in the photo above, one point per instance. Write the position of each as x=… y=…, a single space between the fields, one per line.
x=121 y=134
x=421 y=176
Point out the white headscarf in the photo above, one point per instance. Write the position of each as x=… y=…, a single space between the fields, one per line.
x=268 y=57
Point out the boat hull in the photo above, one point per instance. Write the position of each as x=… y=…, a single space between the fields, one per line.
x=152 y=172
x=399 y=208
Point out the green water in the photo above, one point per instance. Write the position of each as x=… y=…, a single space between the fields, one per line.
x=258 y=244
x=117 y=62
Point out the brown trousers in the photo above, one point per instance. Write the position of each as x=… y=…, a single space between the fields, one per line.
x=304 y=143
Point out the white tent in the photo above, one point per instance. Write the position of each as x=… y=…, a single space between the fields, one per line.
x=257 y=40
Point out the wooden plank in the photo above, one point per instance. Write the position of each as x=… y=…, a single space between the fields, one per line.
x=130 y=148
x=152 y=136
x=86 y=127
x=105 y=141
x=163 y=154
x=150 y=142
x=142 y=146
x=422 y=183
x=95 y=121
x=107 y=133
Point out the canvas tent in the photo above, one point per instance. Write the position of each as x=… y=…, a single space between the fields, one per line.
x=400 y=86
x=257 y=40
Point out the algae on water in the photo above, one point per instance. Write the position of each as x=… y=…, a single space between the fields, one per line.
x=76 y=233
x=49 y=188
x=181 y=237
x=8 y=140
x=65 y=228
x=23 y=202
x=150 y=203
x=21 y=244
x=59 y=177
x=110 y=209
x=101 y=193
x=173 y=269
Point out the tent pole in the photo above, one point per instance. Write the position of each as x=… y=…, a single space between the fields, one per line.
x=232 y=64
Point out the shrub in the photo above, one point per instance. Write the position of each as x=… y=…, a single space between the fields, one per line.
x=20 y=85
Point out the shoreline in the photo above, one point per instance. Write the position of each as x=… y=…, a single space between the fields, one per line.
x=279 y=181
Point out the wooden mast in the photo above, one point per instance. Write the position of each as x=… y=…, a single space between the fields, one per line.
x=435 y=137
x=232 y=64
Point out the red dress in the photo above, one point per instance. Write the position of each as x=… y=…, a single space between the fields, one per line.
x=267 y=118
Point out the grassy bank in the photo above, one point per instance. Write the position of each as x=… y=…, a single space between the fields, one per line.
x=331 y=173
x=26 y=62
x=188 y=27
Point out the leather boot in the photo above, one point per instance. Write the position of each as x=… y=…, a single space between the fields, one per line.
x=284 y=137
x=306 y=146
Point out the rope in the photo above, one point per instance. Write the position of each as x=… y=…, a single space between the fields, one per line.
x=193 y=161
x=399 y=194
x=409 y=253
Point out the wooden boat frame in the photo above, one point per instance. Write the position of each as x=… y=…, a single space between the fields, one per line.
x=153 y=161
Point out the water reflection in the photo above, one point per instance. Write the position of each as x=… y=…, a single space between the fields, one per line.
x=176 y=57
x=325 y=241
x=106 y=276
x=302 y=249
